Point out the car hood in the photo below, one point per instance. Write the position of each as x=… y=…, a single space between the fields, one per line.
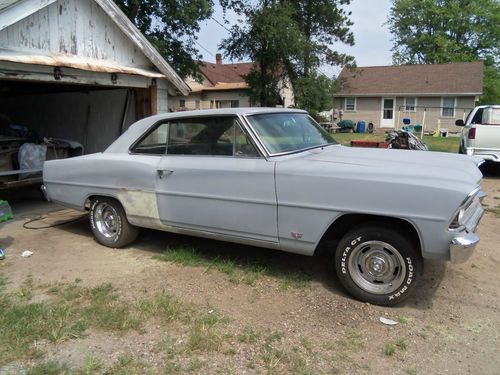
x=415 y=165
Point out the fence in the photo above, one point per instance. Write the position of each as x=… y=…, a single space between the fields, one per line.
x=431 y=119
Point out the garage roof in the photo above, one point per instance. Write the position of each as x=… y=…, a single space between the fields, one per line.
x=12 y=11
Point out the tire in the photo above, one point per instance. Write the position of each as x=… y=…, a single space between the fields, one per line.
x=109 y=223
x=377 y=265
x=461 y=149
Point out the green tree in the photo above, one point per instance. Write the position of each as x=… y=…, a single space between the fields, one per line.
x=441 y=31
x=172 y=27
x=314 y=93
x=267 y=39
x=289 y=38
x=322 y=23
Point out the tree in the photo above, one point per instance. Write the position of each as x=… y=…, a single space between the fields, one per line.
x=442 y=31
x=267 y=39
x=289 y=38
x=314 y=93
x=171 y=26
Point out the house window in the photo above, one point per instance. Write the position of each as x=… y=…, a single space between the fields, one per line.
x=350 y=104
x=410 y=104
x=197 y=104
x=448 y=107
x=235 y=103
x=182 y=103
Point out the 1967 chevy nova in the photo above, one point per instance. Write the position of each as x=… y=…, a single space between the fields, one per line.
x=274 y=178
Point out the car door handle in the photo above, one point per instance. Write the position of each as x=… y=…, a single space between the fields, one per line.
x=164 y=172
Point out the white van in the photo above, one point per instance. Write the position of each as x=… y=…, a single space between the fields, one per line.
x=481 y=133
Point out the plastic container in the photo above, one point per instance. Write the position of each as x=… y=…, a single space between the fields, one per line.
x=360 y=128
x=5 y=211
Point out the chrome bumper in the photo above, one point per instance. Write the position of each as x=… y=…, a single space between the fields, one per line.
x=461 y=248
x=43 y=188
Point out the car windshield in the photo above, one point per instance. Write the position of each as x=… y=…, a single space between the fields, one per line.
x=289 y=132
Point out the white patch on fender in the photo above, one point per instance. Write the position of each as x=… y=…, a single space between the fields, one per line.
x=139 y=203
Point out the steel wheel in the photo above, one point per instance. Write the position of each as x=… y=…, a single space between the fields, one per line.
x=377 y=267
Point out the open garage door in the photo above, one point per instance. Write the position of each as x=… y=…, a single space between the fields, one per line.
x=93 y=116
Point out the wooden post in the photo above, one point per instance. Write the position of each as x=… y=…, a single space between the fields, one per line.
x=153 y=99
x=423 y=124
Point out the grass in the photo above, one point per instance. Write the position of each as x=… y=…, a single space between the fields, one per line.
x=390 y=348
x=238 y=270
x=447 y=144
x=494 y=210
x=71 y=309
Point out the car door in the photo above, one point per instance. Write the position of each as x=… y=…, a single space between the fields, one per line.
x=213 y=180
x=487 y=124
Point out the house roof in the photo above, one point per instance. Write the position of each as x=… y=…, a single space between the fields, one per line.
x=12 y=11
x=223 y=76
x=423 y=79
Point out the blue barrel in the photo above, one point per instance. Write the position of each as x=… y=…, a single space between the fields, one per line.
x=360 y=128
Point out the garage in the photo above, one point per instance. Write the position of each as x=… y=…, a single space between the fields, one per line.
x=74 y=75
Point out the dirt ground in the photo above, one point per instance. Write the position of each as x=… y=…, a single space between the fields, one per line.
x=451 y=325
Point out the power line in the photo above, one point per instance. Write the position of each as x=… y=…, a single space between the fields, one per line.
x=210 y=53
x=220 y=24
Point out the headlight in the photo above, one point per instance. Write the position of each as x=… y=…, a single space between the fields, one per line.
x=468 y=214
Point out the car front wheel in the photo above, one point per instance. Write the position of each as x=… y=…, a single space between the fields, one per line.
x=109 y=223
x=377 y=265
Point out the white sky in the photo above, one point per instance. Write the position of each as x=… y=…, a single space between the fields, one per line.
x=372 y=37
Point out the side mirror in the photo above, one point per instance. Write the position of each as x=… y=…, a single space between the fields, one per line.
x=459 y=123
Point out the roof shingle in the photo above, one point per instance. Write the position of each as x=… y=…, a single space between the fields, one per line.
x=453 y=78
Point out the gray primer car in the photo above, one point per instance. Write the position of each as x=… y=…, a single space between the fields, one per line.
x=273 y=178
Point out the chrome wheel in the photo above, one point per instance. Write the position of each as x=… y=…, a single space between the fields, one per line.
x=377 y=267
x=106 y=220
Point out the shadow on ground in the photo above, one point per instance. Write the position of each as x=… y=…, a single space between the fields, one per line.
x=491 y=169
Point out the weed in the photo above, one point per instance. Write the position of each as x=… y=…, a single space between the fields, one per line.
x=49 y=368
x=196 y=364
x=404 y=319
x=494 y=210
x=186 y=256
x=26 y=291
x=168 y=346
x=271 y=355
x=128 y=365
x=204 y=335
x=401 y=344
x=389 y=349
x=411 y=371
x=248 y=336
x=166 y=308
x=91 y=366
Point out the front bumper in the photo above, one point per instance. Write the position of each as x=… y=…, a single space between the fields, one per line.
x=461 y=248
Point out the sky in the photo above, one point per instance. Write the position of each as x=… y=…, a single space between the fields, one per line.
x=372 y=38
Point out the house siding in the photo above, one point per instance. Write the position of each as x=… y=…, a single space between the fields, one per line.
x=369 y=109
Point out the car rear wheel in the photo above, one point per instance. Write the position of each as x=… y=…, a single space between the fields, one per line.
x=377 y=265
x=109 y=223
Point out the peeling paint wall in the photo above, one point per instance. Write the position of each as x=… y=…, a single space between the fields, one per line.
x=76 y=27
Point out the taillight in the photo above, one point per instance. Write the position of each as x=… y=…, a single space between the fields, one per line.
x=472 y=133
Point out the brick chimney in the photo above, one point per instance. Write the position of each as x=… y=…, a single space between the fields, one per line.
x=218 y=58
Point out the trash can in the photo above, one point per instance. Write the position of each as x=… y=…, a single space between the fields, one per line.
x=360 y=128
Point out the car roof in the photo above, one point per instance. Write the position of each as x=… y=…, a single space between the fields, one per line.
x=123 y=143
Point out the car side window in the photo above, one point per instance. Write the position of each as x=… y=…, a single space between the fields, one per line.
x=478 y=117
x=243 y=146
x=155 y=143
x=211 y=136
